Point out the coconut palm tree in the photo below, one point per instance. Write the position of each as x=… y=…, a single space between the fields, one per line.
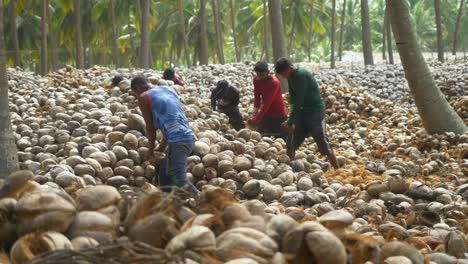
x=457 y=27
x=115 y=48
x=440 y=41
x=265 y=29
x=180 y=9
x=233 y=29
x=318 y=14
x=277 y=30
x=384 y=37
x=14 y=32
x=44 y=7
x=219 y=34
x=52 y=39
x=352 y=29
x=203 y=33
x=79 y=37
x=366 y=38
x=343 y=15
x=8 y=152
x=145 y=39
x=388 y=30
x=437 y=115
x=332 y=33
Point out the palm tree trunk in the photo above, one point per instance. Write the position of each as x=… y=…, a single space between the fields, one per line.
x=44 y=6
x=457 y=28
x=53 y=45
x=14 y=32
x=440 y=43
x=104 y=53
x=151 y=59
x=234 y=35
x=180 y=8
x=384 y=37
x=91 y=56
x=8 y=151
x=309 y=33
x=340 y=45
x=171 y=54
x=332 y=32
x=389 y=36
x=219 y=34
x=145 y=47
x=79 y=38
x=163 y=58
x=291 y=34
x=265 y=30
x=203 y=34
x=139 y=14
x=277 y=30
x=435 y=112
x=115 y=49
x=140 y=23
x=195 y=55
x=366 y=39
x=129 y=31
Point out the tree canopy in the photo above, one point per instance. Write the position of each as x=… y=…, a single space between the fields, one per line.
x=307 y=30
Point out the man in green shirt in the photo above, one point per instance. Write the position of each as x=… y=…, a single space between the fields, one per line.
x=307 y=116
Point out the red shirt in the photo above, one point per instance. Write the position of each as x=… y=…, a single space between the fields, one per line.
x=269 y=98
x=178 y=81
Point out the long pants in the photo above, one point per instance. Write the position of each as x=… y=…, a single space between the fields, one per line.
x=173 y=171
x=272 y=127
x=311 y=124
x=235 y=119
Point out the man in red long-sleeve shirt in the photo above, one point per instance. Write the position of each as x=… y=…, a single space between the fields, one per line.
x=270 y=110
x=169 y=74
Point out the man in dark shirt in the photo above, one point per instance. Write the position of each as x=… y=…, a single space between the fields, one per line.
x=225 y=99
x=270 y=110
x=169 y=74
x=308 y=110
x=116 y=80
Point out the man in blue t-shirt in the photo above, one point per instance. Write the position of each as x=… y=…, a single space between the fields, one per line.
x=161 y=109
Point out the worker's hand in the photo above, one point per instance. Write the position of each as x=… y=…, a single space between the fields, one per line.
x=162 y=146
x=151 y=149
x=288 y=128
x=151 y=158
x=158 y=158
x=251 y=124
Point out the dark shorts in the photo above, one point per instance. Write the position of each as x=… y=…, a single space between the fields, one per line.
x=311 y=124
x=272 y=127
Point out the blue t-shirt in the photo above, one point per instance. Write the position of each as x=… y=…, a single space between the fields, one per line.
x=168 y=115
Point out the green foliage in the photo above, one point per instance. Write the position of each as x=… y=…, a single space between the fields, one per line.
x=301 y=18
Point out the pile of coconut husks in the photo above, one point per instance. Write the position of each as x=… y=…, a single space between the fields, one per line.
x=85 y=193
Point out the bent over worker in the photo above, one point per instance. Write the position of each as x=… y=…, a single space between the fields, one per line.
x=307 y=117
x=169 y=74
x=225 y=99
x=270 y=110
x=161 y=109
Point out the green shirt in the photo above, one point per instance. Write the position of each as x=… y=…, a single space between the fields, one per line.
x=304 y=94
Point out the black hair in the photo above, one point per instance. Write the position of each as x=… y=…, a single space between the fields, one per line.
x=116 y=80
x=222 y=84
x=168 y=74
x=261 y=66
x=283 y=64
x=139 y=80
